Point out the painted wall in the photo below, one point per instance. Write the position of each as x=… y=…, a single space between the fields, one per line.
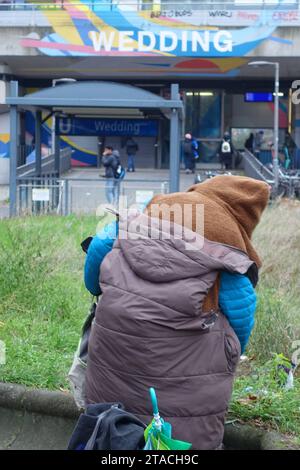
x=82 y=30
x=4 y=148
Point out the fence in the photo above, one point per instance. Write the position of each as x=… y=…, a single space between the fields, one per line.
x=38 y=195
x=51 y=195
x=147 y=5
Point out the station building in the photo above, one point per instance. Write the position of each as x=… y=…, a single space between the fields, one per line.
x=203 y=46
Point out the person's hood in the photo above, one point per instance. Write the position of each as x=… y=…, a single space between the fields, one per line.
x=232 y=207
x=245 y=198
x=116 y=153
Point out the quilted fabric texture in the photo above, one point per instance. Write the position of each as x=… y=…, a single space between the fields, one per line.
x=237 y=300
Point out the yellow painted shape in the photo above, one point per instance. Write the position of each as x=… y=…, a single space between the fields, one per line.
x=229 y=63
x=5 y=138
x=75 y=146
x=63 y=25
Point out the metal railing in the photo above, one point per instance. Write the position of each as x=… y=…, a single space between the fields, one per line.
x=38 y=195
x=63 y=196
x=148 y=6
x=47 y=164
x=289 y=180
x=255 y=169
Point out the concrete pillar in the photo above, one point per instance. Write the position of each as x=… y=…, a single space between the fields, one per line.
x=14 y=136
x=57 y=154
x=38 y=143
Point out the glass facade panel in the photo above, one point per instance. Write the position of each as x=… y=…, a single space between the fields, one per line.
x=203 y=113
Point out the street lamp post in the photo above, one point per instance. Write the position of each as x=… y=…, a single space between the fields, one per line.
x=276 y=114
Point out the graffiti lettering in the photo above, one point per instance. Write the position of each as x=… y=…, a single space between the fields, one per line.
x=222 y=13
x=291 y=15
x=247 y=16
x=171 y=13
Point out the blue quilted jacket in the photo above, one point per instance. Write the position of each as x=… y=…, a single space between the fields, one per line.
x=237 y=297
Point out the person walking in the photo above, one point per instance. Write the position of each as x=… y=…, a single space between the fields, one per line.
x=111 y=161
x=131 y=150
x=226 y=152
x=190 y=153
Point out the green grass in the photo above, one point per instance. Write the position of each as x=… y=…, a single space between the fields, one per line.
x=44 y=303
x=261 y=399
x=43 y=299
x=277 y=240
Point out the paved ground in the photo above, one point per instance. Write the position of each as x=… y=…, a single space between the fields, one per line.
x=87 y=190
x=35 y=419
x=150 y=174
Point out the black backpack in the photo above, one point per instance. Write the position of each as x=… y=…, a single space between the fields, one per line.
x=187 y=147
x=107 y=426
x=119 y=172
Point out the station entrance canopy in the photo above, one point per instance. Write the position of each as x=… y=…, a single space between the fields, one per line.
x=88 y=97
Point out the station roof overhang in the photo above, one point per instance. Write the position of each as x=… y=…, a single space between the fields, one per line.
x=213 y=69
x=93 y=97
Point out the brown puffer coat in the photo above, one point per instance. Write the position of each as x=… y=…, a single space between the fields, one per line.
x=151 y=330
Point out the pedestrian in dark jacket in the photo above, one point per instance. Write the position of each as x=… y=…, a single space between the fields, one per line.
x=111 y=161
x=131 y=150
x=226 y=152
x=249 y=144
x=190 y=153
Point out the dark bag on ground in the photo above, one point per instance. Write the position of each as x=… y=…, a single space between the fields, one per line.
x=107 y=426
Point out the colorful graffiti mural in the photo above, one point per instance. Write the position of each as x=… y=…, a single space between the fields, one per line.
x=82 y=29
x=80 y=156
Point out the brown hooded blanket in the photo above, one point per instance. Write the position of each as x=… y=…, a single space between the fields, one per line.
x=232 y=209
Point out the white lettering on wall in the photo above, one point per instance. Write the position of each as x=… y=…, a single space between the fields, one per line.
x=100 y=40
x=124 y=39
x=165 y=41
x=223 y=41
x=150 y=46
x=184 y=41
x=168 y=35
x=200 y=40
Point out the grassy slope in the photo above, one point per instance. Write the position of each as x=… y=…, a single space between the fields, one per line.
x=43 y=299
x=277 y=240
x=44 y=302
x=257 y=396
